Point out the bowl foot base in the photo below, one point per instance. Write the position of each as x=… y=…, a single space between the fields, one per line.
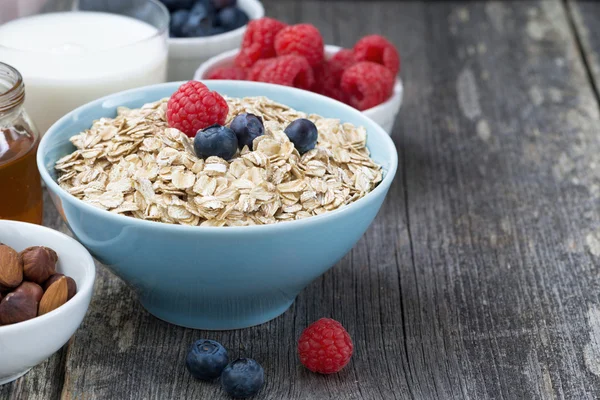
x=216 y=321
x=8 y=379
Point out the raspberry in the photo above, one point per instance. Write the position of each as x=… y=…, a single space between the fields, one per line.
x=258 y=41
x=341 y=61
x=327 y=82
x=325 y=346
x=232 y=73
x=377 y=49
x=302 y=40
x=193 y=107
x=255 y=70
x=367 y=84
x=284 y=70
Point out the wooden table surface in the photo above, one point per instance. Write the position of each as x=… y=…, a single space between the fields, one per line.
x=480 y=277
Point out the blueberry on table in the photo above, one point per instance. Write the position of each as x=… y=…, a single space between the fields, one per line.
x=247 y=127
x=206 y=359
x=231 y=18
x=303 y=133
x=178 y=19
x=174 y=5
x=243 y=378
x=216 y=140
x=220 y=4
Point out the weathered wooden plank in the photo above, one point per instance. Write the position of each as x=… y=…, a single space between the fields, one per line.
x=585 y=16
x=501 y=144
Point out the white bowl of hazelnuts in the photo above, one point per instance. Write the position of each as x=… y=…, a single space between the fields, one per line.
x=46 y=284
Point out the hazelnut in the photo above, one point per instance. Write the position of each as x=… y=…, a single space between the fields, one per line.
x=71 y=285
x=18 y=306
x=55 y=296
x=11 y=268
x=39 y=263
x=32 y=290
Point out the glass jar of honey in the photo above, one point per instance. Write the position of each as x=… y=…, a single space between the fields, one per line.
x=20 y=185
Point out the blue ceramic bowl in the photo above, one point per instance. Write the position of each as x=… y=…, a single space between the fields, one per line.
x=216 y=277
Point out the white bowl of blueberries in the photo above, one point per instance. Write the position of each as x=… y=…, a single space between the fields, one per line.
x=201 y=29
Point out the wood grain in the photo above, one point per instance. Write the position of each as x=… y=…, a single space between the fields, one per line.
x=480 y=276
x=585 y=19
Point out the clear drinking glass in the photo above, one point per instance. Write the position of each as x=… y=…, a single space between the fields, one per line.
x=71 y=52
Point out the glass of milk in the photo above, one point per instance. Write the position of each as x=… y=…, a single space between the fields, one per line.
x=77 y=51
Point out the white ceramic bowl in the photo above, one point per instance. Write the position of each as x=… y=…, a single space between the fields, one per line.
x=185 y=54
x=384 y=114
x=26 y=344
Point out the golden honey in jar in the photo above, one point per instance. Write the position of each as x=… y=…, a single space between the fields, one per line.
x=20 y=185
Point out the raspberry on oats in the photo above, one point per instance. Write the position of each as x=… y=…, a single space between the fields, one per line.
x=193 y=107
x=376 y=48
x=258 y=41
x=302 y=40
x=367 y=84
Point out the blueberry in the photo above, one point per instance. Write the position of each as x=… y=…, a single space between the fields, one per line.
x=231 y=18
x=174 y=5
x=206 y=359
x=220 y=4
x=247 y=127
x=243 y=378
x=178 y=20
x=216 y=30
x=199 y=22
x=303 y=133
x=216 y=140
x=208 y=4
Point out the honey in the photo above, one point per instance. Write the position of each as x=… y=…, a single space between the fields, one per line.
x=20 y=185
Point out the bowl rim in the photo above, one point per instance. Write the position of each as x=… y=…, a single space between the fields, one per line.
x=82 y=290
x=226 y=55
x=217 y=230
x=257 y=9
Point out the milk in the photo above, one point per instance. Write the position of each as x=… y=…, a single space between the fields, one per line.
x=70 y=58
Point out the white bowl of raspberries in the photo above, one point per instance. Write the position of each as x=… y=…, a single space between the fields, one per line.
x=200 y=29
x=364 y=77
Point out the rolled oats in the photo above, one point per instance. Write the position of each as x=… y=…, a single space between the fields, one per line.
x=136 y=165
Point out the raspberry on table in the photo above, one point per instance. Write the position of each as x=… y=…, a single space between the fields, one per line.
x=288 y=70
x=325 y=346
x=378 y=49
x=193 y=107
x=303 y=40
x=367 y=84
x=231 y=72
x=341 y=61
x=258 y=41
